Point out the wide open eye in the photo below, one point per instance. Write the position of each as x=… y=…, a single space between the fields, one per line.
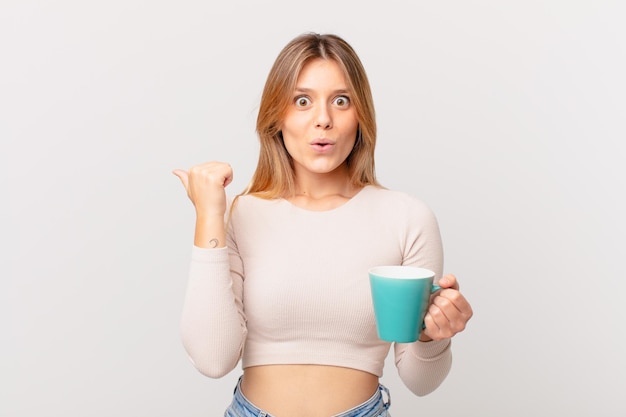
x=302 y=101
x=342 y=101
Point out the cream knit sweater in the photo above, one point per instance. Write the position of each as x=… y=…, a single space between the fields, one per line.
x=292 y=287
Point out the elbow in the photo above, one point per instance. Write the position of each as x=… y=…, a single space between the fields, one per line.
x=423 y=391
x=212 y=361
x=424 y=388
x=210 y=368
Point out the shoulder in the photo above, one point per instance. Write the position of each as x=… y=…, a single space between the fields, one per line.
x=248 y=204
x=394 y=200
x=250 y=200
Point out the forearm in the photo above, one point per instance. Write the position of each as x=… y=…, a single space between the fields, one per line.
x=212 y=326
x=423 y=366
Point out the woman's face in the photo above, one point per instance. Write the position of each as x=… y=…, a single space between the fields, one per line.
x=320 y=125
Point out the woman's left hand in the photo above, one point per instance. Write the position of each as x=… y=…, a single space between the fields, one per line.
x=448 y=312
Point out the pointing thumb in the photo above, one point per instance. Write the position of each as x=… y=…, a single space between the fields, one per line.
x=183 y=176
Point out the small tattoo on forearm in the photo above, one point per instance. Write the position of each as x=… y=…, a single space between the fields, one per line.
x=213 y=243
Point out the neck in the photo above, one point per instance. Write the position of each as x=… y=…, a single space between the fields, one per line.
x=320 y=186
x=321 y=192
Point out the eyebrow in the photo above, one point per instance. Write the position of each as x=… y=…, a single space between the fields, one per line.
x=308 y=90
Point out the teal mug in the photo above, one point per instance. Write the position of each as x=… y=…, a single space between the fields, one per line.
x=400 y=295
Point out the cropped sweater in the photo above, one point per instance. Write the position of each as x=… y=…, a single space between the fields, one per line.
x=291 y=287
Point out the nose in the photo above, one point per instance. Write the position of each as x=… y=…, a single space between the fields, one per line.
x=323 y=118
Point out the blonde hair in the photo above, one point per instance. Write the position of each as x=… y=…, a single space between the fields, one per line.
x=274 y=176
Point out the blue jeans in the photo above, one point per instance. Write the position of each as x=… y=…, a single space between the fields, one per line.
x=376 y=406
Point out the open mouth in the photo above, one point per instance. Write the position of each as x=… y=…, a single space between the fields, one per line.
x=322 y=146
x=322 y=143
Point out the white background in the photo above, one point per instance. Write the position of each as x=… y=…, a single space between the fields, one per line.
x=506 y=117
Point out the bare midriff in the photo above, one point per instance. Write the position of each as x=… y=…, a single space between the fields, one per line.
x=306 y=390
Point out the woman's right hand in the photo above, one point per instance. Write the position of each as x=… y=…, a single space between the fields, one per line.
x=205 y=185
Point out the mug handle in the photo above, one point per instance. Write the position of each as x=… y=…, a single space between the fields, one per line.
x=433 y=290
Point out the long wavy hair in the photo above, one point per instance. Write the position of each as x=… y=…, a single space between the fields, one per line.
x=274 y=176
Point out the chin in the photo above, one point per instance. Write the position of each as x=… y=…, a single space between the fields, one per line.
x=321 y=167
x=325 y=170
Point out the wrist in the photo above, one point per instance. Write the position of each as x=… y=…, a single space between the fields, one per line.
x=424 y=338
x=210 y=232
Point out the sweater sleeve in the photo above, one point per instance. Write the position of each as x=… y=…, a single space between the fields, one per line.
x=213 y=324
x=423 y=366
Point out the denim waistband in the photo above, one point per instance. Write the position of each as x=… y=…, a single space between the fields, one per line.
x=375 y=406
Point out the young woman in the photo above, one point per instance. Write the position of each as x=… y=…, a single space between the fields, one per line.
x=278 y=278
